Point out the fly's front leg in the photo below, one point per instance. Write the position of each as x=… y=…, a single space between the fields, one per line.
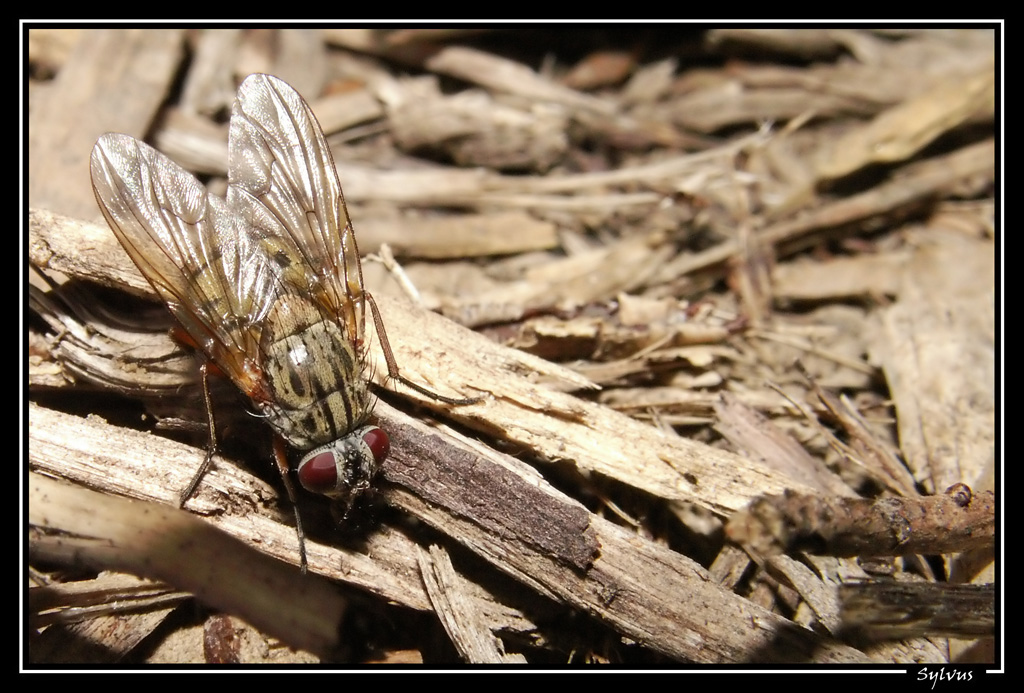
x=211 y=448
x=281 y=457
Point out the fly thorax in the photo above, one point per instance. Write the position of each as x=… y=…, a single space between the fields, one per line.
x=313 y=374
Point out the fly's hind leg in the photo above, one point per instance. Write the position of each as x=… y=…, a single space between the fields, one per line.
x=393 y=371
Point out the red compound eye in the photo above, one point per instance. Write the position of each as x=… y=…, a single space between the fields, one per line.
x=319 y=474
x=380 y=444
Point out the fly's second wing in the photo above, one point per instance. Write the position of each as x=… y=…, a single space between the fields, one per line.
x=283 y=183
x=212 y=272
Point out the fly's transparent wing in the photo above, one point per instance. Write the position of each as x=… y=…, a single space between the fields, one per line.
x=210 y=269
x=282 y=182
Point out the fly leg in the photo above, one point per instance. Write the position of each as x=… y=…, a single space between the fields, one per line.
x=393 y=372
x=281 y=457
x=210 y=449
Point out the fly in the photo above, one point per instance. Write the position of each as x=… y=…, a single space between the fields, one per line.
x=267 y=283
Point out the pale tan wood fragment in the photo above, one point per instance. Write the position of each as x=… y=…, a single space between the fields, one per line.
x=466 y=625
x=936 y=347
x=87 y=99
x=161 y=542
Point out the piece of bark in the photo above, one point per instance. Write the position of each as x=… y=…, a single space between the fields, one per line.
x=87 y=98
x=748 y=430
x=100 y=620
x=599 y=69
x=946 y=523
x=458 y=236
x=473 y=129
x=916 y=185
x=105 y=532
x=879 y=458
x=467 y=627
x=937 y=349
x=841 y=278
x=901 y=131
x=502 y=75
x=209 y=85
x=901 y=610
